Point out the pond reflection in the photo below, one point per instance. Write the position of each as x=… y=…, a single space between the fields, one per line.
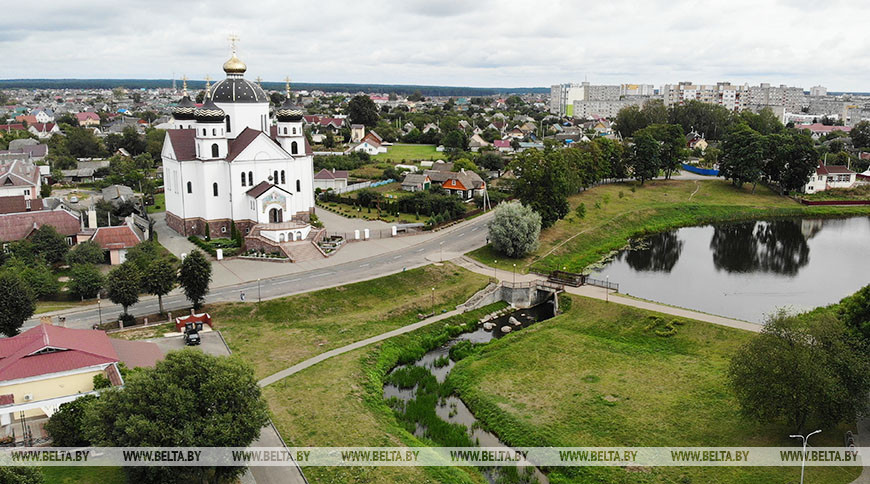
x=779 y=247
x=658 y=252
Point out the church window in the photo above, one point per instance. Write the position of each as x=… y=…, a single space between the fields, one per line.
x=214 y=188
x=294 y=130
x=275 y=177
x=203 y=131
x=285 y=130
x=283 y=180
x=243 y=179
x=251 y=178
x=189 y=187
x=298 y=185
x=214 y=132
x=294 y=148
x=214 y=151
x=228 y=124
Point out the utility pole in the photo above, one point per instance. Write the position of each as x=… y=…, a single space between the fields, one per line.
x=804 y=453
x=259 y=297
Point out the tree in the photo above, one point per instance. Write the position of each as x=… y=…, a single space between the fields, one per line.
x=861 y=135
x=49 y=244
x=195 y=277
x=88 y=252
x=66 y=425
x=710 y=120
x=515 y=229
x=142 y=254
x=672 y=145
x=123 y=285
x=159 y=278
x=765 y=122
x=854 y=310
x=742 y=155
x=790 y=159
x=645 y=157
x=21 y=475
x=362 y=110
x=456 y=140
x=17 y=303
x=491 y=161
x=630 y=119
x=86 y=281
x=189 y=399
x=801 y=370
x=543 y=183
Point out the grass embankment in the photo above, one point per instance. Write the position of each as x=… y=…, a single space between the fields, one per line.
x=406 y=153
x=858 y=193
x=159 y=204
x=84 y=475
x=285 y=331
x=339 y=402
x=618 y=212
x=603 y=375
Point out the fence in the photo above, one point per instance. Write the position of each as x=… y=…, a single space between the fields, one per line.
x=602 y=283
x=700 y=171
x=376 y=233
x=361 y=185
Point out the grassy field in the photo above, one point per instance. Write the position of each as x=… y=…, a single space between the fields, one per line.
x=159 y=203
x=599 y=375
x=399 y=153
x=49 y=306
x=285 y=331
x=84 y=475
x=620 y=211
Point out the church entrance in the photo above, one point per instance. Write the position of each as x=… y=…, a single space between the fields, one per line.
x=276 y=215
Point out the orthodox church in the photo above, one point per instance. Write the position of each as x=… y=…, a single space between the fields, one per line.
x=226 y=163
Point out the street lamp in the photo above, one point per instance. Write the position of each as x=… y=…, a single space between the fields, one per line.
x=495 y=271
x=441 y=250
x=100 y=309
x=804 y=453
x=607 y=288
x=515 y=273
x=259 y=297
x=433 y=297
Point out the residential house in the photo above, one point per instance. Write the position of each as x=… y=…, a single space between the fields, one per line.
x=86 y=171
x=817 y=130
x=516 y=133
x=357 y=133
x=88 y=119
x=503 y=145
x=464 y=184
x=416 y=182
x=117 y=194
x=19 y=203
x=19 y=176
x=330 y=179
x=695 y=140
x=431 y=127
x=19 y=225
x=830 y=176
x=43 y=130
x=117 y=240
x=27 y=148
x=43 y=115
x=476 y=143
x=47 y=366
x=372 y=144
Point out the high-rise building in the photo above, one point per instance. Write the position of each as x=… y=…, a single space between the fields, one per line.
x=818 y=91
x=562 y=96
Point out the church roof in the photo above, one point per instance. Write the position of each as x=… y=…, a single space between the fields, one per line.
x=262 y=188
x=238 y=90
x=183 y=143
x=241 y=142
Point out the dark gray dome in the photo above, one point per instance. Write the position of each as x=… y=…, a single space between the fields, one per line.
x=184 y=110
x=289 y=112
x=209 y=113
x=236 y=89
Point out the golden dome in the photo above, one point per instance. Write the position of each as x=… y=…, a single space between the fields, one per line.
x=235 y=65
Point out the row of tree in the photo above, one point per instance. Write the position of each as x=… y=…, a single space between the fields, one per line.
x=710 y=120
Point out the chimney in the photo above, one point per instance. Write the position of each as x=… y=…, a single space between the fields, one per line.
x=92 y=218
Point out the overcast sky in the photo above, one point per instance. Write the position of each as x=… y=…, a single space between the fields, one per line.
x=482 y=43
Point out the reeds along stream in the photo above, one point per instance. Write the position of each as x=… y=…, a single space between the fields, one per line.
x=423 y=399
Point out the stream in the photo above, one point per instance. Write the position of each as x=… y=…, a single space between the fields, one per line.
x=452 y=409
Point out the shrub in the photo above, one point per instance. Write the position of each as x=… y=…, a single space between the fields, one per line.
x=86 y=281
x=85 y=253
x=580 y=211
x=515 y=229
x=66 y=424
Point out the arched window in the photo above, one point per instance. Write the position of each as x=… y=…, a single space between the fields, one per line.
x=214 y=132
x=294 y=148
x=243 y=179
x=215 y=150
x=298 y=185
x=203 y=131
x=283 y=180
x=294 y=130
x=251 y=178
x=214 y=189
x=189 y=187
x=275 y=177
x=285 y=130
x=228 y=124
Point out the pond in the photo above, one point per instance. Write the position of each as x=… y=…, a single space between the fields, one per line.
x=749 y=269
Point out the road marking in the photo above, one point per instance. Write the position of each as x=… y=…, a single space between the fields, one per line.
x=293 y=280
x=460 y=235
x=420 y=250
x=365 y=265
x=397 y=257
x=320 y=275
x=475 y=228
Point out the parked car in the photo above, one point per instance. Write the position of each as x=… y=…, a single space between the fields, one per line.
x=73 y=199
x=192 y=338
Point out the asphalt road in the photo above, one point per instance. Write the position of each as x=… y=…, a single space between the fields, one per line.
x=469 y=236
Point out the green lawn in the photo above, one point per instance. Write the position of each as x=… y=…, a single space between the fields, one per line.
x=84 y=475
x=406 y=153
x=285 y=331
x=598 y=375
x=617 y=212
x=49 y=306
x=159 y=203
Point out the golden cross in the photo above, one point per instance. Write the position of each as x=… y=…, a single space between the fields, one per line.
x=233 y=38
x=184 y=83
x=259 y=81
x=207 y=84
x=287 y=86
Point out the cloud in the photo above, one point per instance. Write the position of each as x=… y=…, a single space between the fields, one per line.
x=450 y=42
